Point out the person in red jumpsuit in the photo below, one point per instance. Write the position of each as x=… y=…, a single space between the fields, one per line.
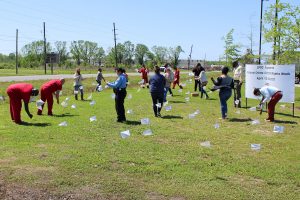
x=176 y=78
x=47 y=90
x=144 y=71
x=18 y=92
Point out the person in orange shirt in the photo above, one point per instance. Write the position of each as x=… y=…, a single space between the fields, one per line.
x=176 y=78
x=47 y=90
x=17 y=93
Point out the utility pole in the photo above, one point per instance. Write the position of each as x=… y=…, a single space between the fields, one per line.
x=115 y=39
x=17 y=63
x=190 y=56
x=45 y=56
x=276 y=29
x=261 y=14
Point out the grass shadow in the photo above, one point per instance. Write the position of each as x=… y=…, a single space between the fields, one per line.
x=135 y=123
x=171 y=117
x=239 y=119
x=210 y=99
x=65 y=115
x=35 y=124
x=284 y=122
x=289 y=115
x=172 y=101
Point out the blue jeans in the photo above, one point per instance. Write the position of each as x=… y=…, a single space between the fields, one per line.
x=165 y=93
x=224 y=96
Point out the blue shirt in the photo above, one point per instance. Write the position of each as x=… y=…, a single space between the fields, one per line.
x=268 y=92
x=120 y=83
x=157 y=83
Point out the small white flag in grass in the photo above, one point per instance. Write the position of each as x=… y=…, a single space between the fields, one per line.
x=190 y=80
x=191 y=74
x=237 y=102
x=129 y=96
x=106 y=86
x=238 y=112
x=217 y=126
x=113 y=96
x=255 y=122
x=278 y=129
x=187 y=98
x=64 y=104
x=63 y=124
x=1 y=98
x=73 y=106
x=39 y=103
x=125 y=134
x=92 y=103
x=158 y=105
x=145 y=121
x=180 y=90
x=100 y=88
x=81 y=88
x=197 y=112
x=93 y=118
x=147 y=132
x=188 y=93
x=90 y=97
x=255 y=147
x=192 y=116
x=252 y=109
x=205 y=144
x=130 y=111
x=168 y=108
x=67 y=99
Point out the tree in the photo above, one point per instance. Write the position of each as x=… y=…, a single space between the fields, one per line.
x=141 y=51
x=128 y=53
x=231 y=49
x=283 y=32
x=61 y=48
x=174 y=55
x=99 y=56
x=75 y=49
x=160 y=54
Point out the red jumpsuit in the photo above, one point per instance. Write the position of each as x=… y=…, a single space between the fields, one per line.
x=16 y=93
x=176 y=78
x=144 y=72
x=47 y=91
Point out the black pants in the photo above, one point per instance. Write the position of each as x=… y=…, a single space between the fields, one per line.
x=170 y=90
x=197 y=84
x=119 y=104
x=157 y=98
x=237 y=93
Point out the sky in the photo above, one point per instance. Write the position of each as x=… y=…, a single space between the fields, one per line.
x=169 y=23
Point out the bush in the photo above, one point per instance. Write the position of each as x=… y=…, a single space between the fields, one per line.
x=7 y=65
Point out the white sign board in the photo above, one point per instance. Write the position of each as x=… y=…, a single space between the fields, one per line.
x=279 y=76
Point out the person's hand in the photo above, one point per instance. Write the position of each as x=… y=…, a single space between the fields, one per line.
x=30 y=116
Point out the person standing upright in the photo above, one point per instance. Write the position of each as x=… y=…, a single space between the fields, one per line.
x=196 y=72
x=238 y=81
x=203 y=82
x=157 y=87
x=18 y=92
x=225 y=84
x=119 y=87
x=144 y=72
x=77 y=84
x=47 y=91
x=99 y=78
x=176 y=78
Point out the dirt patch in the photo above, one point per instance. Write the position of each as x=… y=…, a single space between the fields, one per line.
x=264 y=132
x=246 y=181
x=7 y=160
x=155 y=196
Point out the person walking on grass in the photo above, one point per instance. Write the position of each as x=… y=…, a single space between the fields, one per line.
x=157 y=85
x=47 y=91
x=119 y=88
x=268 y=93
x=176 y=78
x=99 y=78
x=203 y=82
x=77 y=84
x=196 y=72
x=225 y=84
x=169 y=80
x=17 y=93
x=238 y=81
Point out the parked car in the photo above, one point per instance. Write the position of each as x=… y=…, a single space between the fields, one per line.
x=297 y=78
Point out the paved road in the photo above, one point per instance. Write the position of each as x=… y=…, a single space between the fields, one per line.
x=47 y=77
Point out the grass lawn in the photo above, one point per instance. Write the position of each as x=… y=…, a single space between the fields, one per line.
x=89 y=160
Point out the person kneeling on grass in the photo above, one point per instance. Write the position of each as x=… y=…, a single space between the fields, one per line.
x=157 y=88
x=268 y=93
x=47 y=91
x=17 y=93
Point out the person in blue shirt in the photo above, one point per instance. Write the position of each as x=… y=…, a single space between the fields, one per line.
x=119 y=87
x=157 y=86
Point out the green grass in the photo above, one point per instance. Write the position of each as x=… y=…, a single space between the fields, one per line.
x=90 y=160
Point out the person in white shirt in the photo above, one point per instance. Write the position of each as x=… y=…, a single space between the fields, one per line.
x=77 y=84
x=203 y=82
x=238 y=81
x=268 y=93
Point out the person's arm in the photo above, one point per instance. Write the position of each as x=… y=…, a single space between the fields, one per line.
x=103 y=78
x=218 y=82
x=115 y=84
x=57 y=96
x=27 y=110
